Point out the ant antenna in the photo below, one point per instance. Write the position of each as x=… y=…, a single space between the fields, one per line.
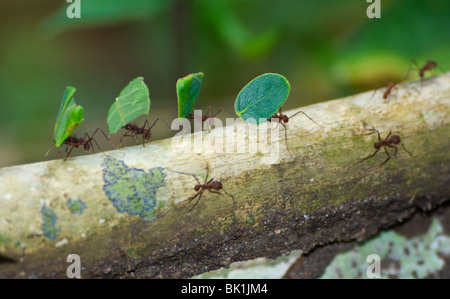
x=306 y=116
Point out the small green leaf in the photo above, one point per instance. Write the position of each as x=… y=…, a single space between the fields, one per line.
x=133 y=100
x=70 y=115
x=262 y=97
x=188 y=89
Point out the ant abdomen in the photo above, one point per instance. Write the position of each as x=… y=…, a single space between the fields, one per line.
x=217 y=185
x=395 y=139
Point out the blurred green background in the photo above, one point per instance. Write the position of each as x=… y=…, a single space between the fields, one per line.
x=325 y=48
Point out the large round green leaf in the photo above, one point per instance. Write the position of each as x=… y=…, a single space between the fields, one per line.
x=70 y=115
x=188 y=89
x=133 y=100
x=262 y=97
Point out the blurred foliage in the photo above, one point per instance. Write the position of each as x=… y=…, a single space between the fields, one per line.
x=325 y=48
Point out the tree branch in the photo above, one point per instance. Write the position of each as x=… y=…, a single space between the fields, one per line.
x=126 y=214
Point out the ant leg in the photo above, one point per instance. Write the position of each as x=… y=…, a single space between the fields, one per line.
x=120 y=141
x=372 y=131
x=133 y=138
x=143 y=140
x=146 y=124
x=285 y=136
x=218 y=111
x=209 y=112
x=234 y=201
x=368 y=157
x=232 y=114
x=186 y=173
x=91 y=138
x=156 y=121
x=373 y=93
x=405 y=149
x=106 y=136
x=48 y=151
x=59 y=151
x=68 y=153
x=207 y=172
x=393 y=146
x=89 y=141
x=217 y=192
x=193 y=197
x=390 y=132
x=208 y=119
x=411 y=66
x=126 y=135
x=306 y=116
x=201 y=193
x=387 y=153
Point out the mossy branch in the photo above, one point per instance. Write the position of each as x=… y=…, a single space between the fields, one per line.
x=126 y=214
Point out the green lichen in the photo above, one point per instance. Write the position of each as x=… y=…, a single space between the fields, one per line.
x=250 y=220
x=132 y=190
x=49 y=223
x=5 y=240
x=76 y=206
x=406 y=258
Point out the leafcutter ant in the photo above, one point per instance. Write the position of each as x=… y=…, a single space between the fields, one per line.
x=430 y=65
x=73 y=141
x=134 y=130
x=389 y=141
x=283 y=119
x=210 y=185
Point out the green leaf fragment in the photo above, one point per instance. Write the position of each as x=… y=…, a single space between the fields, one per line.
x=133 y=101
x=70 y=115
x=188 y=89
x=262 y=97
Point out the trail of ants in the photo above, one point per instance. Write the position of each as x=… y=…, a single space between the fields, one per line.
x=210 y=185
x=283 y=119
x=389 y=141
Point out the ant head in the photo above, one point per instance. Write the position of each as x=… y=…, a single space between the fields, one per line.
x=86 y=146
x=197 y=187
x=284 y=118
x=147 y=135
x=431 y=64
x=395 y=139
